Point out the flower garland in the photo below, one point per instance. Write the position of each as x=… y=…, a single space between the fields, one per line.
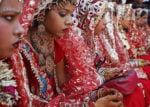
x=8 y=92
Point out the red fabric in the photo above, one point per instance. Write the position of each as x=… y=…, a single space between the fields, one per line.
x=27 y=98
x=146 y=86
x=80 y=71
x=59 y=54
x=136 y=99
x=126 y=85
x=32 y=59
x=61 y=99
x=28 y=11
x=2 y=105
x=146 y=83
x=63 y=102
x=18 y=72
x=33 y=83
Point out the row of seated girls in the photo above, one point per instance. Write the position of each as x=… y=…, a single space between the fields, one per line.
x=72 y=53
x=23 y=80
x=118 y=36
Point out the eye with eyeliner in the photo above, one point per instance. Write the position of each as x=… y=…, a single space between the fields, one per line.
x=65 y=12
x=62 y=14
x=9 y=17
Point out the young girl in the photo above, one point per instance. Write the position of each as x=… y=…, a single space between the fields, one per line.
x=16 y=66
x=75 y=74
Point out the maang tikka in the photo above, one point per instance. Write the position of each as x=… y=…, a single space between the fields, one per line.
x=41 y=30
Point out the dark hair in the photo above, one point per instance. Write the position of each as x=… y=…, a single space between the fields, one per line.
x=143 y=13
x=129 y=1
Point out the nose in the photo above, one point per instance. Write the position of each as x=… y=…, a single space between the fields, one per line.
x=19 y=30
x=69 y=21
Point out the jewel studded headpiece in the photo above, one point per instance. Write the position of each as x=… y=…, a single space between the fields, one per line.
x=88 y=12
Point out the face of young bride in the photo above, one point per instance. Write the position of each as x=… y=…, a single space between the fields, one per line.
x=57 y=21
x=10 y=28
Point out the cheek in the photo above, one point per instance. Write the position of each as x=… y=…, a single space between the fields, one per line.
x=53 y=24
x=6 y=39
x=5 y=34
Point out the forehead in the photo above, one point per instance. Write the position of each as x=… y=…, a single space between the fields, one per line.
x=10 y=4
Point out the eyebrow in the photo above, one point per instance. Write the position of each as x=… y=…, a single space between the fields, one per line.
x=10 y=10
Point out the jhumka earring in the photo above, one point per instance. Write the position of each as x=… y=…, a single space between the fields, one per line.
x=41 y=29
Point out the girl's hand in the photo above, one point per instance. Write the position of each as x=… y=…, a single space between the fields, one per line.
x=109 y=101
x=109 y=91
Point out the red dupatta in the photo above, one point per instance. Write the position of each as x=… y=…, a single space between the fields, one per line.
x=79 y=66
